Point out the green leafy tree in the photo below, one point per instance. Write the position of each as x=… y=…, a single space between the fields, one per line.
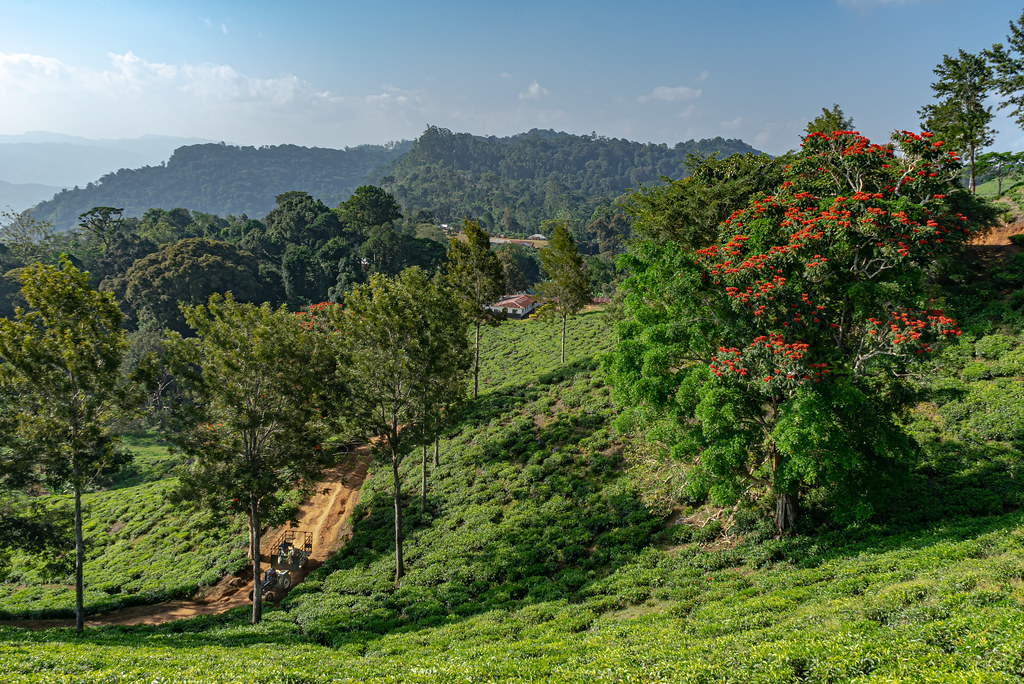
x=687 y=211
x=960 y=118
x=778 y=350
x=188 y=272
x=60 y=370
x=370 y=206
x=260 y=389
x=1007 y=63
x=830 y=121
x=567 y=288
x=475 y=274
x=403 y=351
x=999 y=165
x=25 y=240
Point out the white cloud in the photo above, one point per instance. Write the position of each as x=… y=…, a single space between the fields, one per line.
x=688 y=112
x=224 y=29
x=132 y=96
x=671 y=94
x=534 y=92
x=733 y=123
x=703 y=75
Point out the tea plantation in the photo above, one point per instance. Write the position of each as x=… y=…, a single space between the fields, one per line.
x=543 y=556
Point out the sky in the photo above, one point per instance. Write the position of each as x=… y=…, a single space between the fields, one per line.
x=344 y=73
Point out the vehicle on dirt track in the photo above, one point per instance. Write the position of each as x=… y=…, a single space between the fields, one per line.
x=290 y=556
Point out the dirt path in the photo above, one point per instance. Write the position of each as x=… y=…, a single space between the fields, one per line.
x=326 y=514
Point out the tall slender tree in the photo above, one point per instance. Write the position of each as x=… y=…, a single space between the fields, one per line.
x=960 y=118
x=403 y=349
x=567 y=288
x=1007 y=61
x=60 y=369
x=476 y=275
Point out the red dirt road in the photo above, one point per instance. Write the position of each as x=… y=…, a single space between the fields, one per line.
x=326 y=514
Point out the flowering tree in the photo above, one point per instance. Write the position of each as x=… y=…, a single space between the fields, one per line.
x=780 y=347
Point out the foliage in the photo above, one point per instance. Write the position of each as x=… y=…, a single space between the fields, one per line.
x=476 y=276
x=567 y=288
x=261 y=392
x=688 y=211
x=1007 y=62
x=829 y=121
x=60 y=376
x=24 y=240
x=774 y=347
x=520 y=265
x=403 y=350
x=960 y=117
x=188 y=272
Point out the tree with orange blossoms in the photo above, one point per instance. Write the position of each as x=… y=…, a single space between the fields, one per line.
x=781 y=348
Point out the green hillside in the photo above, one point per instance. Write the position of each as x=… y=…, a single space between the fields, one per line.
x=546 y=554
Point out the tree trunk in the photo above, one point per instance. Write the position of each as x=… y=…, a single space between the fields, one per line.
x=787 y=498
x=972 y=170
x=257 y=579
x=437 y=448
x=476 y=361
x=563 y=338
x=786 y=508
x=399 y=565
x=79 y=557
x=423 y=481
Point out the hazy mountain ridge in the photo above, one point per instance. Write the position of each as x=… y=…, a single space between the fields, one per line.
x=21 y=196
x=55 y=159
x=225 y=180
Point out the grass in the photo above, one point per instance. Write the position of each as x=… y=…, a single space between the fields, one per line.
x=940 y=605
x=515 y=351
x=140 y=548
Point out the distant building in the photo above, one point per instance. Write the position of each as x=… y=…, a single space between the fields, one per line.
x=515 y=306
x=536 y=236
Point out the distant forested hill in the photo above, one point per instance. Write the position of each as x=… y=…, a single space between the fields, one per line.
x=225 y=180
x=513 y=184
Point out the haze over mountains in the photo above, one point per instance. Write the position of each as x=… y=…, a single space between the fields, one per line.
x=36 y=165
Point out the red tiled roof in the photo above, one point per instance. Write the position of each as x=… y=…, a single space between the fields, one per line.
x=516 y=302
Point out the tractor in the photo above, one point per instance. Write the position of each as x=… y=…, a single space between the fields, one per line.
x=291 y=553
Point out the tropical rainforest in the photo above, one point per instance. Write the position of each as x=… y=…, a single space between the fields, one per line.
x=785 y=446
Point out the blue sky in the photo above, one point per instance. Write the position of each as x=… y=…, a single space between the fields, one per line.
x=345 y=73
